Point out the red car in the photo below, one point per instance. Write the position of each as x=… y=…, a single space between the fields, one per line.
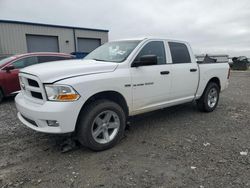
x=10 y=66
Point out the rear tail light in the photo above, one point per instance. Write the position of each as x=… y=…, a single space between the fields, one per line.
x=228 y=74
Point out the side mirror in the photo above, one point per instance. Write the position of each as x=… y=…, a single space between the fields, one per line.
x=9 y=68
x=146 y=60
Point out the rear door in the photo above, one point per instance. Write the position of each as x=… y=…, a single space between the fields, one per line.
x=185 y=73
x=151 y=84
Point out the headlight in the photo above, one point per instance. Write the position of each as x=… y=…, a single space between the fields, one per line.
x=61 y=93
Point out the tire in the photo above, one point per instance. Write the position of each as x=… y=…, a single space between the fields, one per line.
x=1 y=95
x=101 y=125
x=210 y=98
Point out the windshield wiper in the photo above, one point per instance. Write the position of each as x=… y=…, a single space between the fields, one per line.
x=99 y=59
x=105 y=60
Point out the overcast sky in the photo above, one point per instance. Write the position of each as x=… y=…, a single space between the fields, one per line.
x=211 y=26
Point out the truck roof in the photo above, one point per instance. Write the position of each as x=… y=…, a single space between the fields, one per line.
x=151 y=38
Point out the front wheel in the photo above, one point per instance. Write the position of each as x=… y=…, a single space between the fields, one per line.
x=101 y=125
x=210 y=98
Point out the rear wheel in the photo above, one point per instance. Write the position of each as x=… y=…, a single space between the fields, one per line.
x=210 y=98
x=101 y=125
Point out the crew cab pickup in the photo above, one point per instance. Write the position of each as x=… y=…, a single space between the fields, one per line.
x=93 y=97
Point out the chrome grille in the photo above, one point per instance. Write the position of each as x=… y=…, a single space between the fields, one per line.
x=32 y=88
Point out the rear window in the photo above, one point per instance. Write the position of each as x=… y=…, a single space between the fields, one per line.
x=179 y=52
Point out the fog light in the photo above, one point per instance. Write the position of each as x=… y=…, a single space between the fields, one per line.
x=52 y=123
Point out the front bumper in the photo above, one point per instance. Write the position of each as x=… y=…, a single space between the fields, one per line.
x=35 y=115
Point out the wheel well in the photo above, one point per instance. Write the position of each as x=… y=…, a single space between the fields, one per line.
x=215 y=80
x=109 y=95
x=1 y=90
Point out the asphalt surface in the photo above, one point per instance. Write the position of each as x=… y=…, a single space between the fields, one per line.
x=174 y=147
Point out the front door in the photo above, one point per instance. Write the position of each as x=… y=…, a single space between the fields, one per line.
x=151 y=84
x=10 y=81
x=11 y=77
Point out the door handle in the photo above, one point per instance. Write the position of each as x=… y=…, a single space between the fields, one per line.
x=193 y=70
x=164 y=72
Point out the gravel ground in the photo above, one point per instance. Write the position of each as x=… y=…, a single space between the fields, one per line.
x=175 y=147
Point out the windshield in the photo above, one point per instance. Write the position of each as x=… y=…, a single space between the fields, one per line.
x=6 y=60
x=113 y=51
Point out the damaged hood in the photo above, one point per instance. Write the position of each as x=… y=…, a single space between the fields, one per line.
x=53 y=71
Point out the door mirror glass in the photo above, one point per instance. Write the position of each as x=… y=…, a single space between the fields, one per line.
x=146 y=60
x=9 y=68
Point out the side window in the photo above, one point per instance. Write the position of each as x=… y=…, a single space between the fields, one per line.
x=43 y=59
x=19 y=64
x=154 y=48
x=179 y=52
x=63 y=58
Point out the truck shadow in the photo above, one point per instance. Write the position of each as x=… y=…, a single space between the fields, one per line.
x=137 y=124
x=163 y=115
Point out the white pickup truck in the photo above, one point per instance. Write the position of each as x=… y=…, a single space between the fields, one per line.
x=93 y=97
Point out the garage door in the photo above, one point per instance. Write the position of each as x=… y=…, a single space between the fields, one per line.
x=87 y=45
x=42 y=43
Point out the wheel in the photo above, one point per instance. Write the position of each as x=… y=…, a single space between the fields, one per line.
x=210 y=98
x=1 y=95
x=101 y=125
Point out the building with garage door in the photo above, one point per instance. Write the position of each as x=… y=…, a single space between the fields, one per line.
x=21 y=37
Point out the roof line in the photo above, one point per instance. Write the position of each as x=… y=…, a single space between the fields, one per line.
x=51 y=25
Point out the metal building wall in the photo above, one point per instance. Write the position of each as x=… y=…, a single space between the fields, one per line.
x=13 y=37
x=90 y=34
